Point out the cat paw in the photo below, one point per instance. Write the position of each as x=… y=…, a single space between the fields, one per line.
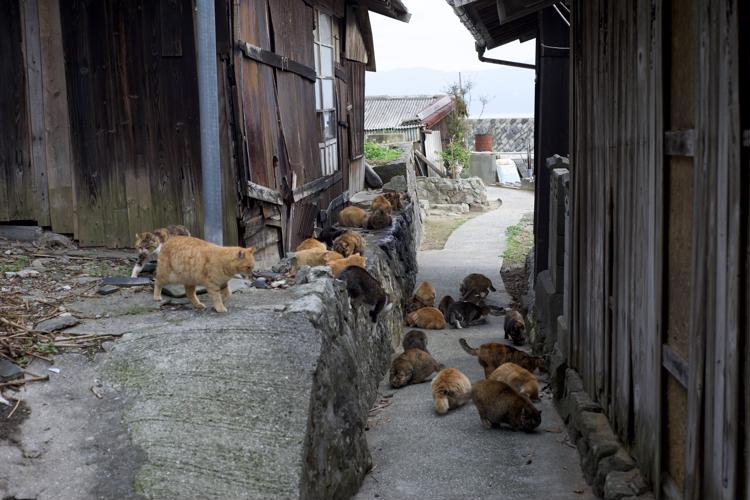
x=221 y=309
x=486 y=424
x=200 y=306
x=158 y=299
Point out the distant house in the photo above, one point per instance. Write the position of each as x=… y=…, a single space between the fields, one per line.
x=100 y=125
x=418 y=118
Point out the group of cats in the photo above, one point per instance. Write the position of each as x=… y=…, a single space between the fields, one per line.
x=183 y=259
x=506 y=394
x=503 y=397
x=470 y=310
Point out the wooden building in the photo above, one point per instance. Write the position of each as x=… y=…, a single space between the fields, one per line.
x=657 y=252
x=99 y=122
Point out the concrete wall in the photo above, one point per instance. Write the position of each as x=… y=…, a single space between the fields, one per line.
x=267 y=401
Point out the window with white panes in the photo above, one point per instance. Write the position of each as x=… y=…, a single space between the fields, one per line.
x=325 y=103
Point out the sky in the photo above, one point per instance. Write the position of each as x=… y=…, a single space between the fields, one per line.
x=435 y=40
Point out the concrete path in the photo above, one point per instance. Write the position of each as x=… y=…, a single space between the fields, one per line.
x=417 y=454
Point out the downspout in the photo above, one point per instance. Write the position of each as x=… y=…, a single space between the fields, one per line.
x=208 y=100
x=480 y=53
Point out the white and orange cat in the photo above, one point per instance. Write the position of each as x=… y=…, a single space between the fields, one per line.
x=149 y=244
x=191 y=262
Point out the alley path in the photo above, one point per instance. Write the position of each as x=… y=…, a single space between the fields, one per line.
x=419 y=455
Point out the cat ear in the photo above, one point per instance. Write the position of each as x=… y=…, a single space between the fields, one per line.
x=137 y=235
x=251 y=249
x=241 y=254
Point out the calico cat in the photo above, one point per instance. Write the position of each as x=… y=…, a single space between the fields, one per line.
x=313 y=257
x=149 y=244
x=349 y=243
x=450 y=389
x=329 y=234
x=445 y=304
x=412 y=367
x=381 y=203
x=498 y=403
x=338 y=265
x=515 y=328
x=428 y=318
x=353 y=217
x=415 y=340
x=379 y=219
x=475 y=287
x=191 y=262
x=424 y=296
x=492 y=355
x=364 y=289
x=311 y=244
x=464 y=313
x=394 y=199
x=520 y=379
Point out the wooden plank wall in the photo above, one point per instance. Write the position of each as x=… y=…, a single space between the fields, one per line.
x=16 y=175
x=134 y=116
x=639 y=304
x=617 y=214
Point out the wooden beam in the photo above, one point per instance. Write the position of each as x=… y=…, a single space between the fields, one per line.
x=262 y=193
x=35 y=105
x=316 y=186
x=274 y=60
x=429 y=164
x=679 y=142
x=675 y=364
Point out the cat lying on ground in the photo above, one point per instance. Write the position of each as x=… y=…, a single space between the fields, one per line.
x=348 y=243
x=353 y=217
x=462 y=313
x=412 y=367
x=424 y=296
x=428 y=318
x=191 y=262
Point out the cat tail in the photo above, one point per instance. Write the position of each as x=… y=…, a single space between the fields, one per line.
x=467 y=348
x=380 y=305
x=492 y=287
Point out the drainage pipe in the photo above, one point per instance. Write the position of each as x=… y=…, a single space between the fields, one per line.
x=208 y=100
x=480 y=54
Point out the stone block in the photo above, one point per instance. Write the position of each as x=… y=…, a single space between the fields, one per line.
x=622 y=484
x=618 y=461
x=9 y=371
x=57 y=323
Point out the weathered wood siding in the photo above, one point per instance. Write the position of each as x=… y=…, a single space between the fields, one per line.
x=659 y=235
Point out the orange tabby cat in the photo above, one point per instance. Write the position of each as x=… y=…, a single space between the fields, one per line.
x=518 y=378
x=191 y=262
x=424 y=296
x=450 y=389
x=394 y=199
x=428 y=318
x=353 y=217
x=339 y=265
x=349 y=243
x=381 y=203
x=311 y=244
x=314 y=257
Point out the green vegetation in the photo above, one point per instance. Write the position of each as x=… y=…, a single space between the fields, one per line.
x=47 y=347
x=15 y=266
x=375 y=152
x=437 y=230
x=520 y=239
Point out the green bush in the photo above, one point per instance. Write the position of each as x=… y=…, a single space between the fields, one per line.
x=375 y=152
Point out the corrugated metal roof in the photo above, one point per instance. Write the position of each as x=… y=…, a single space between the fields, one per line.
x=396 y=112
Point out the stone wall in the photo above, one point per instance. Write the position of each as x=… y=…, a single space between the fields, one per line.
x=267 y=401
x=453 y=195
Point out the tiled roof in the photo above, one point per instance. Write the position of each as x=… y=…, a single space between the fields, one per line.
x=395 y=112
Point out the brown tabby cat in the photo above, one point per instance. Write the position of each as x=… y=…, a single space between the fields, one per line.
x=445 y=303
x=379 y=219
x=348 y=243
x=149 y=244
x=464 y=313
x=412 y=367
x=492 y=355
x=191 y=262
x=329 y=234
x=415 y=340
x=428 y=318
x=520 y=379
x=450 y=389
x=337 y=266
x=498 y=403
x=311 y=244
x=424 y=296
x=353 y=217
x=515 y=328
x=394 y=199
x=381 y=203
x=475 y=287
x=364 y=289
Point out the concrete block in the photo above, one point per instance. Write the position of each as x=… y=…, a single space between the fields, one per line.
x=482 y=165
